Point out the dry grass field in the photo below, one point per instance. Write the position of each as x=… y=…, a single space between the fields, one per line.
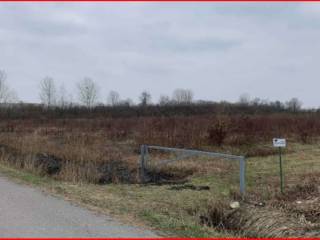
x=95 y=162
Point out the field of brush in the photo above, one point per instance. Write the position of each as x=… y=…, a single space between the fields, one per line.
x=95 y=161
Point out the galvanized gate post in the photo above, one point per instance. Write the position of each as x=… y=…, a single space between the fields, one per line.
x=146 y=156
x=243 y=176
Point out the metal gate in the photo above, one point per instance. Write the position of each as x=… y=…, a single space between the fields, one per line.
x=187 y=153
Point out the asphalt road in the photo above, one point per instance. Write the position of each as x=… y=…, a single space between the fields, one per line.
x=28 y=212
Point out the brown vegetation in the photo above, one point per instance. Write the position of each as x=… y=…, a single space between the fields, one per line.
x=294 y=214
x=106 y=150
x=86 y=146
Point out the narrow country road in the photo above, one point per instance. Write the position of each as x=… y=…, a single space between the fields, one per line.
x=27 y=212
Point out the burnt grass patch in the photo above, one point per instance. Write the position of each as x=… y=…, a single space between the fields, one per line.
x=112 y=171
x=168 y=175
x=115 y=171
x=189 y=187
x=48 y=164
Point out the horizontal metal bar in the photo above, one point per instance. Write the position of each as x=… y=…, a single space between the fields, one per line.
x=198 y=152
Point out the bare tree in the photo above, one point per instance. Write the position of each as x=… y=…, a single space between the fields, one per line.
x=256 y=101
x=3 y=85
x=244 y=99
x=182 y=96
x=62 y=97
x=113 y=98
x=145 y=98
x=11 y=97
x=7 y=95
x=70 y=100
x=87 y=92
x=277 y=105
x=294 y=105
x=127 y=102
x=164 y=100
x=47 y=91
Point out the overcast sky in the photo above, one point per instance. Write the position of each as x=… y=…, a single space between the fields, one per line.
x=219 y=50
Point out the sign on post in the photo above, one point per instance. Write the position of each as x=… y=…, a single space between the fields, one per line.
x=280 y=143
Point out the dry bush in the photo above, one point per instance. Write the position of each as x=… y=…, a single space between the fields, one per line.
x=302 y=201
x=216 y=214
x=218 y=131
x=264 y=222
x=89 y=144
x=256 y=221
x=306 y=129
x=180 y=131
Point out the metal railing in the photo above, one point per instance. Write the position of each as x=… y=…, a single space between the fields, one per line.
x=187 y=153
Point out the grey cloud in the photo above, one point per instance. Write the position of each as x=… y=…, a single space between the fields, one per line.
x=218 y=49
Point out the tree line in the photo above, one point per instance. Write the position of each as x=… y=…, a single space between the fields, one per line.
x=87 y=93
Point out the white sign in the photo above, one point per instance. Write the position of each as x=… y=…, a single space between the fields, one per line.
x=279 y=142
